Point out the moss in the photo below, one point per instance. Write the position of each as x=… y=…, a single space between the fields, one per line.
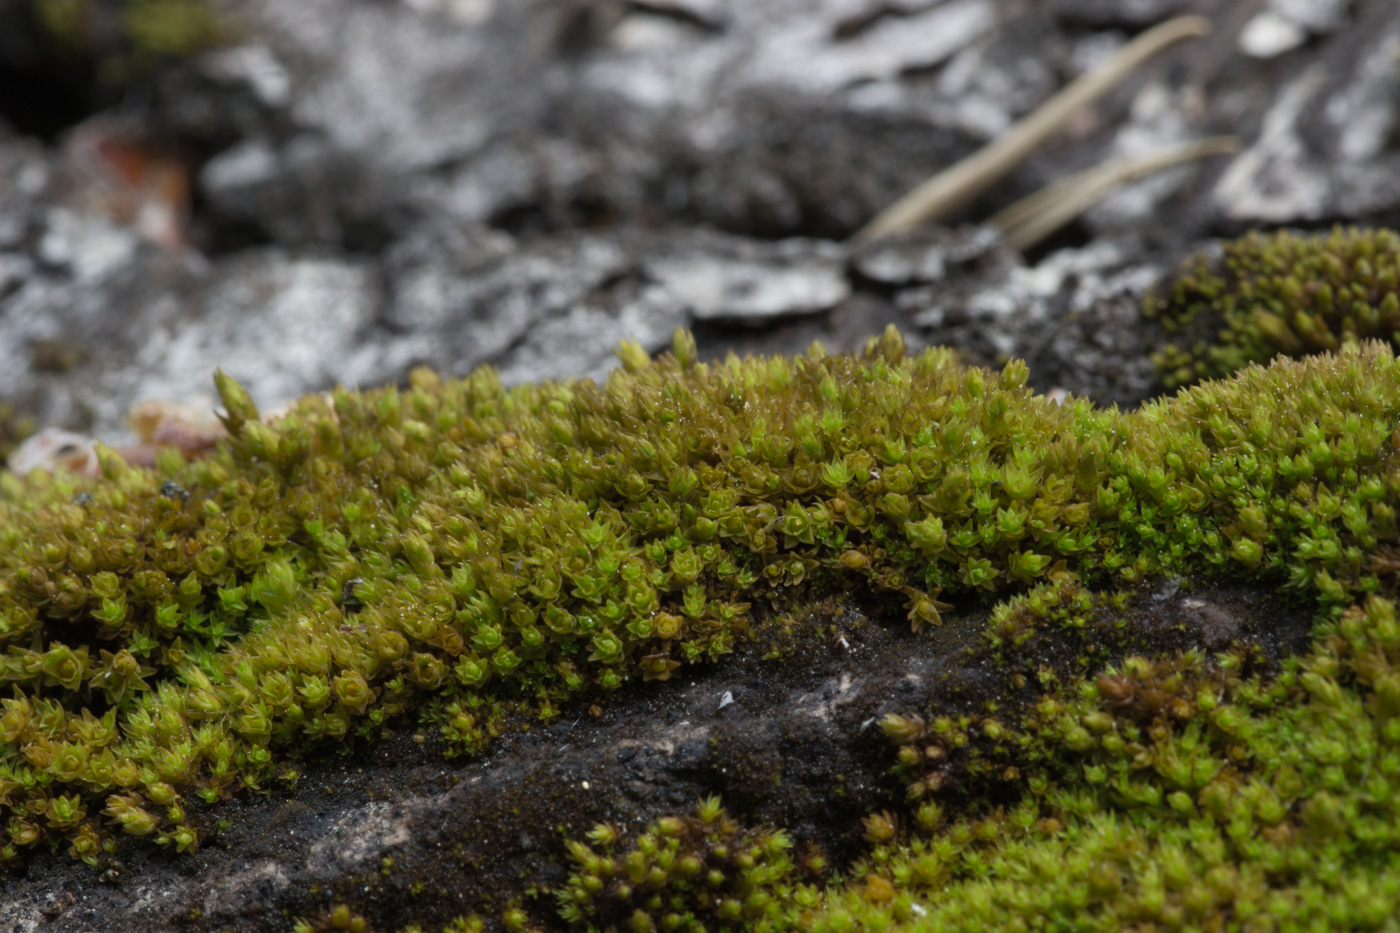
x=480 y=558
x=1175 y=792
x=509 y=551
x=684 y=874
x=14 y=429
x=121 y=40
x=339 y=918
x=1185 y=791
x=1280 y=293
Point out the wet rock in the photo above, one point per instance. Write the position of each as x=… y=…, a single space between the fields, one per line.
x=454 y=833
x=469 y=827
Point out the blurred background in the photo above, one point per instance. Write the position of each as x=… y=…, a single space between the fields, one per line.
x=312 y=192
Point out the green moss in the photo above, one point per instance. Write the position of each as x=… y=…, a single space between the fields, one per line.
x=14 y=429
x=1175 y=793
x=683 y=875
x=1170 y=793
x=123 y=39
x=1280 y=293
x=340 y=919
x=479 y=558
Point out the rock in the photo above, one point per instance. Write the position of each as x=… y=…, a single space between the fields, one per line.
x=752 y=282
x=920 y=258
x=137 y=324
x=1268 y=34
x=761 y=119
x=53 y=449
x=1111 y=12
x=282 y=325
x=586 y=338
x=383 y=184
x=24 y=177
x=1321 y=149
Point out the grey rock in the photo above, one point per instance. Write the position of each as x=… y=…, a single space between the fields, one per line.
x=918 y=258
x=255 y=66
x=24 y=180
x=752 y=282
x=904 y=39
x=1324 y=145
x=455 y=306
x=279 y=325
x=299 y=192
x=13 y=271
x=726 y=109
x=156 y=327
x=1276 y=180
x=585 y=339
x=1112 y=12
x=545 y=308
x=1269 y=34
x=1319 y=16
x=86 y=247
x=462 y=177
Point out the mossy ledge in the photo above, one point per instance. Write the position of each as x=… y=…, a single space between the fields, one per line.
x=480 y=557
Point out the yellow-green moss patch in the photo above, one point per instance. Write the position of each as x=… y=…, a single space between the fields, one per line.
x=480 y=557
x=1279 y=293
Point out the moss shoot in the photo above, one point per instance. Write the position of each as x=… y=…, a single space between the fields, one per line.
x=479 y=558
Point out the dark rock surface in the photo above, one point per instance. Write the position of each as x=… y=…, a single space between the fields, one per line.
x=404 y=835
x=380 y=184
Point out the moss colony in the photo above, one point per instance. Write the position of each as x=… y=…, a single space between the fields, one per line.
x=479 y=559
x=1281 y=293
x=124 y=38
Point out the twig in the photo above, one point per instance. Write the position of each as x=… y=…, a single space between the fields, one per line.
x=1033 y=218
x=965 y=181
